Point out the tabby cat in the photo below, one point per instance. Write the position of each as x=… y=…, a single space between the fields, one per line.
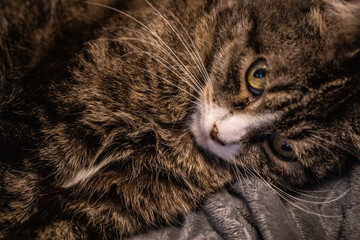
x=117 y=117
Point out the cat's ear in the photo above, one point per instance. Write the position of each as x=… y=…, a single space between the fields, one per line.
x=346 y=9
x=344 y=16
x=337 y=22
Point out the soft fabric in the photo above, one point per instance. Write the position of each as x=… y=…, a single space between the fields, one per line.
x=253 y=210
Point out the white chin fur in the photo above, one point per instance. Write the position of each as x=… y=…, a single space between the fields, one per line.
x=231 y=129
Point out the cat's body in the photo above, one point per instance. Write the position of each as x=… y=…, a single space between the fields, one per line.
x=134 y=123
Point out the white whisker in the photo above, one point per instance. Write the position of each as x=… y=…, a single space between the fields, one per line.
x=317 y=197
x=175 y=30
x=163 y=50
x=191 y=41
x=153 y=33
x=289 y=198
x=164 y=79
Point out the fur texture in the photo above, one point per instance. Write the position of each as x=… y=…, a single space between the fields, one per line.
x=103 y=107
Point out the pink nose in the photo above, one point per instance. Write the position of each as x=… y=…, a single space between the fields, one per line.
x=214 y=135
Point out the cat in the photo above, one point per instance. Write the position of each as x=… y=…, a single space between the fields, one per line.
x=120 y=117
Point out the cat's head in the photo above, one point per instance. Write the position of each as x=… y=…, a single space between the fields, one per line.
x=282 y=96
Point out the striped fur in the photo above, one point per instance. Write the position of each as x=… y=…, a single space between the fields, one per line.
x=103 y=107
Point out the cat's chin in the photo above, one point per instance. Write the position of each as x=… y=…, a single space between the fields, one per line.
x=227 y=152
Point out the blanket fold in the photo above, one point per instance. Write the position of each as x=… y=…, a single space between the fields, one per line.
x=251 y=209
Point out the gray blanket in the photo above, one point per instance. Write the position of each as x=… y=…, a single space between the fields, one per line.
x=253 y=210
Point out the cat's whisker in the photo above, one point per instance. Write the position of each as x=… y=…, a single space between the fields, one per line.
x=207 y=77
x=167 y=53
x=303 y=200
x=307 y=194
x=173 y=70
x=169 y=82
x=176 y=31
x=307 y=210
x=153 y=33
x=309 y=191
x=156 y=57
x=280 y=194
x=194 y=86
x=291 y=199
x=321 y=197
x=238 y=174
x=196 y=65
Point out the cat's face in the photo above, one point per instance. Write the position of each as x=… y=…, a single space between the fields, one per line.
x=282 y=96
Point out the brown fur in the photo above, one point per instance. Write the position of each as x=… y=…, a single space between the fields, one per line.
x=89 y=91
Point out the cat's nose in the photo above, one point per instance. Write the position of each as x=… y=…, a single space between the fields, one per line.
x=214 y=135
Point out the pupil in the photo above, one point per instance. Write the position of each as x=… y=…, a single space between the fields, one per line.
x=286 y=147
x=260 y=73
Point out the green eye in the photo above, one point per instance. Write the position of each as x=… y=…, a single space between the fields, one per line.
x=256 y=77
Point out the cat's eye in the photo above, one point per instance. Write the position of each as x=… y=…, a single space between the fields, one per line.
x=256 y=77
x=281 y=148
